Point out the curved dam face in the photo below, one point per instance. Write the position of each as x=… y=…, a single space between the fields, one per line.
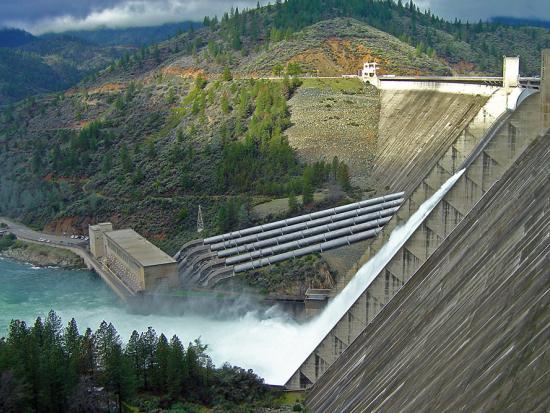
x=415 y=130
x=469 y=331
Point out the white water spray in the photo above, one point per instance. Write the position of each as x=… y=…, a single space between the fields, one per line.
x=273 y=347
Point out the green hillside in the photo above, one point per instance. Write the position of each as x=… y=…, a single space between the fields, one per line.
x=50 y=65
x=161 y=130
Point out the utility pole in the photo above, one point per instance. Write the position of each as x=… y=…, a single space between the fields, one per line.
x=200 y=221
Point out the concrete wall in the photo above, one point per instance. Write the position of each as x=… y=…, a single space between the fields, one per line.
x=488 y=162
x=97 y=242
x=469 y=332
x=417 y=128
x=438 y=86
x=160 y=275
x=129 y=268
x=545 y=91
x=420 y=133
x=510 y=75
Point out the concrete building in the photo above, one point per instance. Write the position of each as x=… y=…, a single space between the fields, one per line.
x=139 y=264
x=369 y=73
x=96 y=238
x=510 y=73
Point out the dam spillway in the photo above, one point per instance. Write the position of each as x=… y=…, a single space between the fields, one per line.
x=470 y=330
x=490 y=158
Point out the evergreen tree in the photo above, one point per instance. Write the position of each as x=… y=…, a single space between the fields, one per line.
x=125 y=159
x=307 y=193
x=176 y=372
x=227 y=75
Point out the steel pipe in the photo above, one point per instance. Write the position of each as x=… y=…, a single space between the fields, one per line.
x=325 y=246
x=316 y=239
x=302 y=218
x=321 y=229
x=305 y=225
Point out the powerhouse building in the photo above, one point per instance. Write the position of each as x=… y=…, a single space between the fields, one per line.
x=141 y=265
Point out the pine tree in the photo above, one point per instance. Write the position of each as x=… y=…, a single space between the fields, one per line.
x=133 y=353
x=307 y=193
x=343 y=178
x=162 y=355
x=176 y=373
x=292 y=203
x=119 y=375
x=125 y=159
x=148 y=343
x=227 y=75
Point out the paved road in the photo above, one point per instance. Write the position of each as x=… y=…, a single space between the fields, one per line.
x=21 y=231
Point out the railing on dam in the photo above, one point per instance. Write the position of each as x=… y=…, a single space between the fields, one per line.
x=524 y=82
x=206 y=262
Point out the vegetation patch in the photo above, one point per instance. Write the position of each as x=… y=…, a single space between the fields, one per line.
x=46 y=367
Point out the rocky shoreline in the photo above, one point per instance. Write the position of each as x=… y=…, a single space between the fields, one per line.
x=43 y=256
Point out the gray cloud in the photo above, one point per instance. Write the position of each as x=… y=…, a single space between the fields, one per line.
x=39 y=16
x=473 y=10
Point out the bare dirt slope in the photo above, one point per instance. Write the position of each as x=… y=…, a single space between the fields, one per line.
x=336 y=117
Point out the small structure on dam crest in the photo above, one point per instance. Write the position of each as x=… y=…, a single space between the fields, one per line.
x=140 y=265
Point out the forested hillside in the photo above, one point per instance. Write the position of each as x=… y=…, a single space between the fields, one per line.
x=31 y=65
x=463 y=47
x=42 y=65
x=188 y=122
x=14 y=37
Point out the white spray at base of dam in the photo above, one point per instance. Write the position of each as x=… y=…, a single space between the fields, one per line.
x=273 y=346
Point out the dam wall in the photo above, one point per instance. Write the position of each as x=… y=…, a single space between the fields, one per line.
x=470 y=331
x=437 y=132
x=415 y=129
x=438 y=85
x=486 y=159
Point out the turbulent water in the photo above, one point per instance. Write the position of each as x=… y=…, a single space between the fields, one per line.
x=272 y=345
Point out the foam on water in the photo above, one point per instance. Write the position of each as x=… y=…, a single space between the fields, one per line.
x=274 y=346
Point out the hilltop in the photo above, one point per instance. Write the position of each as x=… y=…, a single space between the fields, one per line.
x=53 y=62
x=309 y=33
x=49 y=65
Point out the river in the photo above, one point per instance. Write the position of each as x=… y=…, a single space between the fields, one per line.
x=262 y=344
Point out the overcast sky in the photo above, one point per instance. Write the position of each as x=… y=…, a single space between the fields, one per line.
x=39 y=16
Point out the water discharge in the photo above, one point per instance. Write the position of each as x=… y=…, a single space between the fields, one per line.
x=273 y=345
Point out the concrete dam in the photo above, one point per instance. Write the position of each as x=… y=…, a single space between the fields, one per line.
x=458 y=317
x=470 y=330
x=485 y=149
